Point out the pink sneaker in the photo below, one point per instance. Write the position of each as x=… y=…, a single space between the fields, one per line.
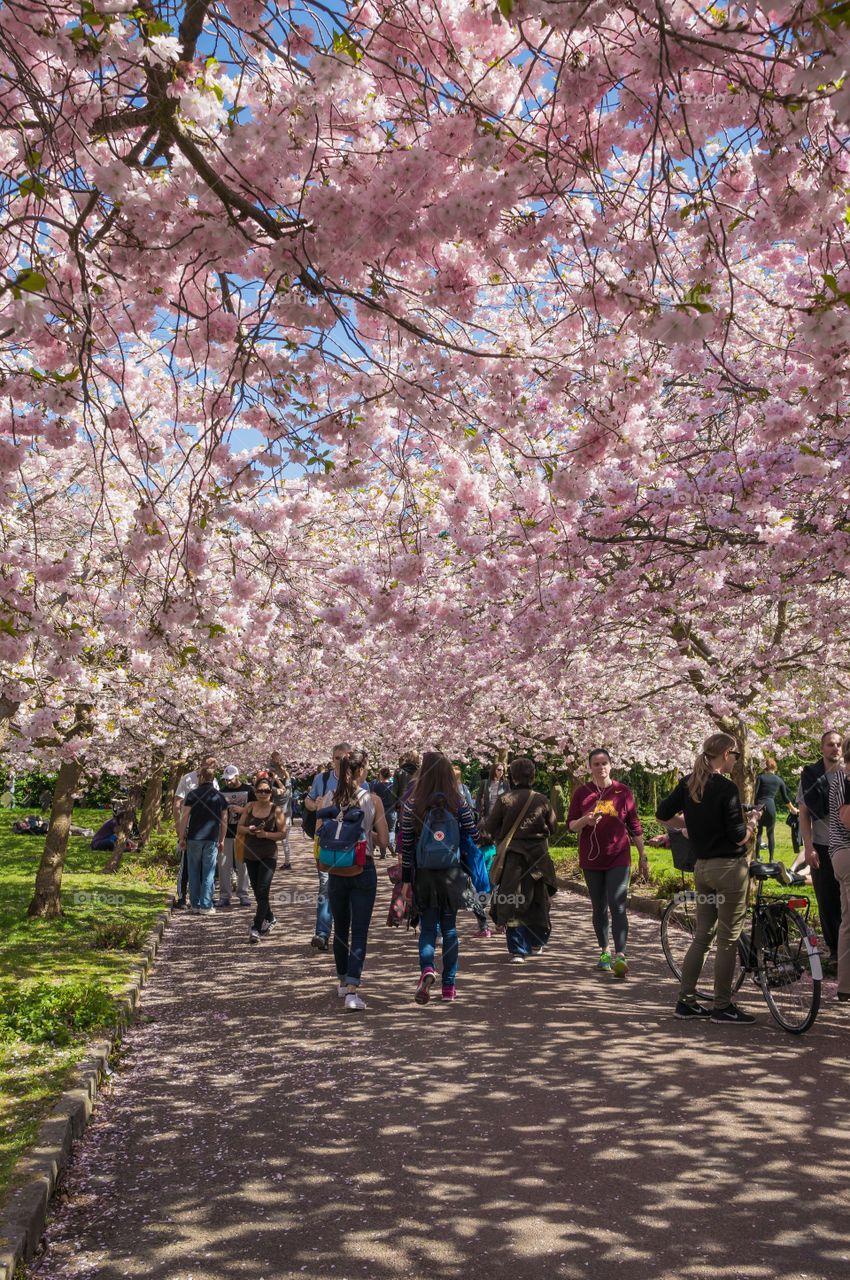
x=450 y=993
x=483 y=933
x=423 y=988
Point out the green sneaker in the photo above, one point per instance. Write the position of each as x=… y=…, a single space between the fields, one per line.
x=620 y=965
x=604 y=962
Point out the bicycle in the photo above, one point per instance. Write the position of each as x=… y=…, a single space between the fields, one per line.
x=778 y=951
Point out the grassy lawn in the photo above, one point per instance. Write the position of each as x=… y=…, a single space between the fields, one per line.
x=58 y=977
x=665 y=880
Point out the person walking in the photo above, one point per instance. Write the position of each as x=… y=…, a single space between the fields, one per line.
x=262 y=827
x=813 y=803
x=707 y=805
x=186 y=784
x=384 y=789
x=435 y=873
x=839 y=853
x=527 y=881
x=489 y=791
x=325 y=781
x=604 y=814
x=281 y=784
x=352 y=890
x=479 y=902
x=201 y=833
x=237 y=794
x=769 y=787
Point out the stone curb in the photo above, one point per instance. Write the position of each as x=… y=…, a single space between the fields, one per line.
x=644 y=906
x=24 y=1214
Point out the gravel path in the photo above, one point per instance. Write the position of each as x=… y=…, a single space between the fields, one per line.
x=553 y=1123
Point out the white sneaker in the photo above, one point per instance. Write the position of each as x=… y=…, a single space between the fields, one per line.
x=342 y=990
x=353 y=1002
x=515 y=959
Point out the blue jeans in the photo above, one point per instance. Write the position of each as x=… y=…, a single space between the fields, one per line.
x=201 y=858
x=521 y=939
x=352 y=899
x=430 y=920
x=324 y=919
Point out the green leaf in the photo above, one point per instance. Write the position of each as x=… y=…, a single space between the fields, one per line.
x=506 y=7
x=32 y=186
x=159 y=28
x=343 y=43
x=216 y=629
x=831 y=283
x=31 y=282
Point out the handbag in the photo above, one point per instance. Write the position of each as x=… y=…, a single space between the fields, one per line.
x=497 y=868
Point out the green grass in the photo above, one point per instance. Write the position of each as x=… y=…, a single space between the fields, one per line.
x=665 y=880
x=57 y=977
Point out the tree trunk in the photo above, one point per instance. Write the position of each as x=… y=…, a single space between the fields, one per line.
x=653 y=793
x=47 y=900
x=175 y=773
x=150 y=807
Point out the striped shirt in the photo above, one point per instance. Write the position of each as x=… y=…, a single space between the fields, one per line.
x=839 y=794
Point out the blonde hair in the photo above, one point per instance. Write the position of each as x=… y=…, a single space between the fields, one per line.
x=716 y=745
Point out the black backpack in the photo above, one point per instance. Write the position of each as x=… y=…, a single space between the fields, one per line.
x=308 y=821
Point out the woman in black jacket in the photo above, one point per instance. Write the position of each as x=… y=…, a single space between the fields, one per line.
x=707 y=805
x=769 y=787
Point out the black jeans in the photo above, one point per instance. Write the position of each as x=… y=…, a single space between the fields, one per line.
x=767 y=824
x=352 y=900
x=828 y=894
x=609 y=891
x=260 y=874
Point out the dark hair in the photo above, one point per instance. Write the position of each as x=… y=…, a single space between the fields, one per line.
x=206 y=773
x=386 y=773
x=522 y=771
x=348 y=786
x=599 y=751
x=830 y=733
x=436 y=776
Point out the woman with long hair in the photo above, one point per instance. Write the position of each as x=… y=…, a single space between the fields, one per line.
x=707 y=805
x=262 y=826
x=429 y=814
x=604 y=815
x=352 y=890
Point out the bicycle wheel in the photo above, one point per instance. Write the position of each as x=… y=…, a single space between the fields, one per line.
x=678 y=924
x=789 y=968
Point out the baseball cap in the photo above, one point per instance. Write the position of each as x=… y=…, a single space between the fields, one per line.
x=230 y=772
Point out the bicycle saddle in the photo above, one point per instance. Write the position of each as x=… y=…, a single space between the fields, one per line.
x=775 y=871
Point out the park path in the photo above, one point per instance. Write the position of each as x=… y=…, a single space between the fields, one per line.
x=552 y=1124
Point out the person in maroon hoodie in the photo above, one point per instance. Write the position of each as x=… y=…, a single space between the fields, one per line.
x=604 y=815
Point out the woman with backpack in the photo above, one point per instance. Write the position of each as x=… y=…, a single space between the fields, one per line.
x=351 y=814
x=524 y=819
x=435 y=820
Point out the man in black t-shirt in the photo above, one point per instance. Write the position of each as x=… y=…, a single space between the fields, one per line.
x=237 y=793
x=201 y=832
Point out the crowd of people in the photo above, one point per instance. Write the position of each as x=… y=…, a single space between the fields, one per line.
x=490 y=854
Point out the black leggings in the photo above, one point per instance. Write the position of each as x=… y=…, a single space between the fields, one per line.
x=767 y=822
x=260 y=874
x=609 y=891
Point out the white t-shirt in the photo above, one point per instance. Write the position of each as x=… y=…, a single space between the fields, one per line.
x=188 y=783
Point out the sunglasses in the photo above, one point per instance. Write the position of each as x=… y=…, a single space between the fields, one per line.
x=263 y=791
x=736 y=754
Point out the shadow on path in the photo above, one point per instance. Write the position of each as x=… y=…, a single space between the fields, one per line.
x=552 y=1123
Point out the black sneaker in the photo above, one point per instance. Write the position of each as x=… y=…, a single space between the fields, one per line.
x=267 y=926
x=320 y=943
x=253 y=936
x=732 y=1014
x=691 y=1009
x=179 y=904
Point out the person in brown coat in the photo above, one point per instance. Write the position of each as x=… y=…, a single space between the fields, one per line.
x=521 y=900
